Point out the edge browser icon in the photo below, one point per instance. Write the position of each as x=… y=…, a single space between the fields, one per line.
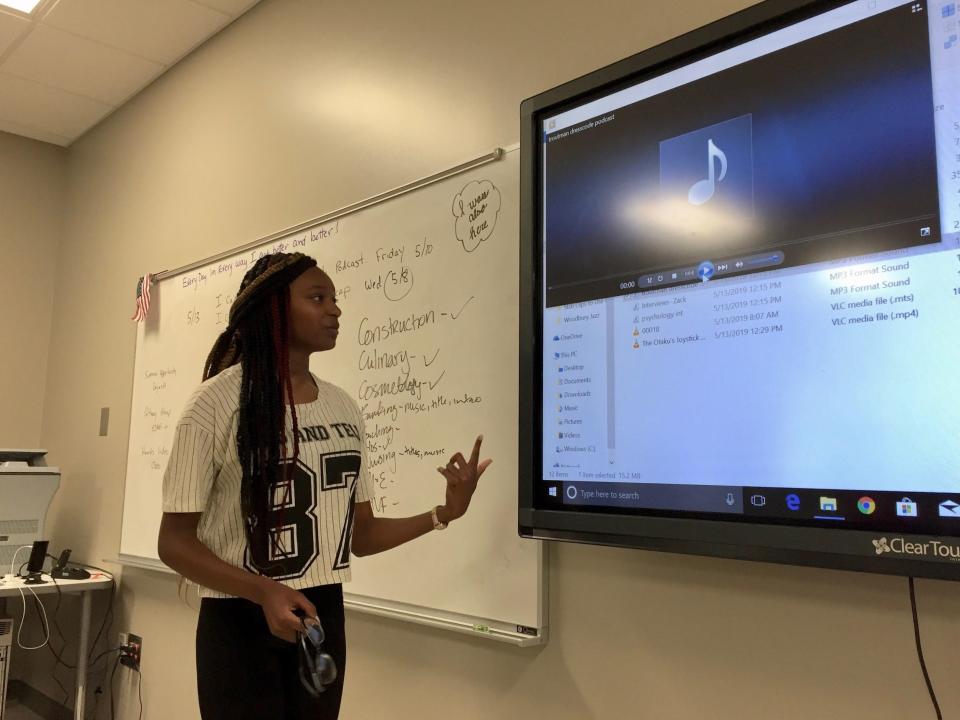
x=793 y=502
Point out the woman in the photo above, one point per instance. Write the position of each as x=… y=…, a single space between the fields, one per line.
x=267 y=493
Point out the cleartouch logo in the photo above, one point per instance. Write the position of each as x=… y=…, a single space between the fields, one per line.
x=881 y=546
x=932 y=549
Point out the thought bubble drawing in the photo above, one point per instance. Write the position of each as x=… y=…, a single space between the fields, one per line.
x=476 y=209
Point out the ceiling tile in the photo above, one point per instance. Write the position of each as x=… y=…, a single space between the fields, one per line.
x=161 y=31
x=80 y=66
x=235 y=8
x=54 y=111
x=11 y=27
x=23 y=131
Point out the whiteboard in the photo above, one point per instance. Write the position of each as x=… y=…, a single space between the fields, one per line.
x=428 y=283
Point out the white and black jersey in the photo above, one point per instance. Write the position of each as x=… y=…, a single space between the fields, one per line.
x=310 y=521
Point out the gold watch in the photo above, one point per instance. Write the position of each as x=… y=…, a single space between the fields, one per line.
x=437 y=525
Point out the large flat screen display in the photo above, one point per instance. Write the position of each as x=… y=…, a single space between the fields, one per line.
x=740 y=321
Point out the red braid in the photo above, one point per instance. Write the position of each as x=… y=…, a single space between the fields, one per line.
x=278 y=307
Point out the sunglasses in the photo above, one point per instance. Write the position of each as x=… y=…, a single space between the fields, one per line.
x=317 y=668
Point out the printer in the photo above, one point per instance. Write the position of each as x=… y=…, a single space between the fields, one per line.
x=27 y=486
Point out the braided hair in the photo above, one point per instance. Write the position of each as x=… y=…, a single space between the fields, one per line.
x=257 y=337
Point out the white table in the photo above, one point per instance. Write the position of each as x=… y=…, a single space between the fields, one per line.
x=97 y=581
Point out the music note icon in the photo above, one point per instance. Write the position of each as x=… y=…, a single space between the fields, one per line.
x=703 y=190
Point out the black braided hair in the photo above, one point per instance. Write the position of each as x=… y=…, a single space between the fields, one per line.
x=257 y=337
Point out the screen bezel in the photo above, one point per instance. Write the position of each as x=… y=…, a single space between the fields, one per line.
x=846 y=549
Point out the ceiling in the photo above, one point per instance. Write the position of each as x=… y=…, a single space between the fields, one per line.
x=70 y=63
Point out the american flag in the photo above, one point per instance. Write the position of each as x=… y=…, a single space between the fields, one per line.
x=143 y=299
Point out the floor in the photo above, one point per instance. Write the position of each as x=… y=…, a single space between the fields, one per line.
x=16 y=711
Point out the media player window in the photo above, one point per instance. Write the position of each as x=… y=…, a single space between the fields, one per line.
x=822 y=150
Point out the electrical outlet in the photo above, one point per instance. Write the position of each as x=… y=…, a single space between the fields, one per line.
x=131 y=649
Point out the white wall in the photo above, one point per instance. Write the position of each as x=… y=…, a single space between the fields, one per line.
x=32 y=181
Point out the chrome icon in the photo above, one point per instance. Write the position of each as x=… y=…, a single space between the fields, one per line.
x=866 y=505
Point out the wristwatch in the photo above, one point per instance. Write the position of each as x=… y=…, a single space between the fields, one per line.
x=437 y=525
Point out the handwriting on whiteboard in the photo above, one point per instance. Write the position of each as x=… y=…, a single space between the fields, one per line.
x=476 y=209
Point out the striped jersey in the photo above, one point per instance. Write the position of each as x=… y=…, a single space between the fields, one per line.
x=305 y=540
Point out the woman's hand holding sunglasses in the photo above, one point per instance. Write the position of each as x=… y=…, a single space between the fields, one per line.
x=284 y=608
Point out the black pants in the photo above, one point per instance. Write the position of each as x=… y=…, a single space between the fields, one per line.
x=245 y=673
